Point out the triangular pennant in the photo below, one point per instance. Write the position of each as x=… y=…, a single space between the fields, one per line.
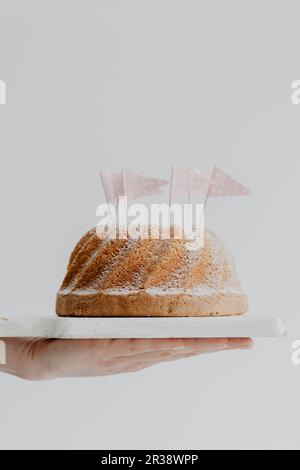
x=223 y=185
x=188 y=181
x=137 y=185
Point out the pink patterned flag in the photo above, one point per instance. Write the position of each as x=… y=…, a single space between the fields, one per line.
x=124 y=183
x=187 y=181
x=113 y=185
x=224 y=185
x=136 y=186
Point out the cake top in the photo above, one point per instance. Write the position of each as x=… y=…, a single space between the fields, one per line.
x=155 y=266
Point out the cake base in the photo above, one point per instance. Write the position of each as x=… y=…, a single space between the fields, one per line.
x=145 y=305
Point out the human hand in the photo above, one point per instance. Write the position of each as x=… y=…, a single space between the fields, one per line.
x=42 y=359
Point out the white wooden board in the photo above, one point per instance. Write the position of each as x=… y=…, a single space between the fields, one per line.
x=233 y=327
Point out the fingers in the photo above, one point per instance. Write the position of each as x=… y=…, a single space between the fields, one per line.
x=217 y=344
x=206 y=344
x=133 y=347
x=240 y=343
x=192 y=348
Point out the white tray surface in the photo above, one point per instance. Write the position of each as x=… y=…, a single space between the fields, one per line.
x=185 y=327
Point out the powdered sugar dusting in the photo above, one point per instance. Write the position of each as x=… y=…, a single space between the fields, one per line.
x=220 y=272
x=200 y=291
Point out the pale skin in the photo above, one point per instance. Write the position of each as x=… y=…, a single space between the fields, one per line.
x=45 y=359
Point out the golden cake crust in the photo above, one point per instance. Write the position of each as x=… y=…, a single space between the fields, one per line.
x=158 y=278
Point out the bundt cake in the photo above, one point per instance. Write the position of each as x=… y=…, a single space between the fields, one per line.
x=150 y=277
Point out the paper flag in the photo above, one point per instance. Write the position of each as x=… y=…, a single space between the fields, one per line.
x=188 y=181
x=113 y=185
x=224 y=185
x=124 y=183
x=136 y=186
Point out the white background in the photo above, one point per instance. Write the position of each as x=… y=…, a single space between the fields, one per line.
x=97 y=84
